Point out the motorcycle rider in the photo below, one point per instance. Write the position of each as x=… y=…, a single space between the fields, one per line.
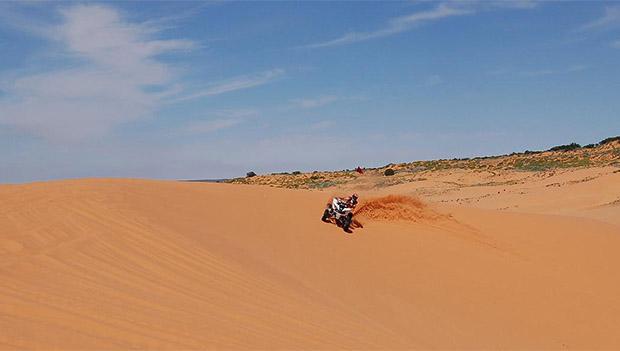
x=341 y=209
x=341 y=204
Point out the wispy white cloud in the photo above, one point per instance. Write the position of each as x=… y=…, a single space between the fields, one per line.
x=172 y=19
x=577 y=68
x=396 y=25
x=315 y=102
x=445 y=9
x=113 y=74
x=433 y=80
x=12 y=17
x=321 y=125
x=609 y=20
x=512 y=4
x=117 y=62
x=238 y=83
x=203 y=127
x=538 y=73
x=498 y=72
x=100 y=35
x=224 y=119
x=557 y=70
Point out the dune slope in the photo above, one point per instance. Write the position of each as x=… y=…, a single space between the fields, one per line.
x=146 y=264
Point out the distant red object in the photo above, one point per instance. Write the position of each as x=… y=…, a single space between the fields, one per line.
x=359 y=170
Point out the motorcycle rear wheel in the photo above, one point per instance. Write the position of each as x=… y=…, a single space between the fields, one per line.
x=346 y=222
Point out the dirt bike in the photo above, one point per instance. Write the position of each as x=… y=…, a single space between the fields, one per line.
x=343 y=216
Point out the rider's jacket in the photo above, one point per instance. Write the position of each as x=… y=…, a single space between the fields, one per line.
x=339 y=205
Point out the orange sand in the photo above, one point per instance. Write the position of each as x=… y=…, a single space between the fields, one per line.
x=118 y=264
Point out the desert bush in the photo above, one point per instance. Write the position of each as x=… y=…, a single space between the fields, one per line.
x=568 y=147
x=590 y=146
x=250 y=174
x=321 y=185
x=546 y=163
x=389 y=172
x=609 y=140
x=296 y=172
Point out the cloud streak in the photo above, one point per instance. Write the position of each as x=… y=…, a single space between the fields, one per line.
x=396 y=25
x=203 y=127
x=433 y=80
x=224 y=119
x=238 y=83
x=446 y=9
x=315 y=102
x=539 y=72
x=609 y=20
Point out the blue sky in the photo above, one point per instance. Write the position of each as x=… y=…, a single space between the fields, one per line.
x=215 y=89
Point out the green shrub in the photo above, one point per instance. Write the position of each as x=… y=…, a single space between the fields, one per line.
x=389 y=172
x=321 y=185
x=543 y=164
x=296 y=173
x=609 y=140
x=250 y=174
x=568 y=147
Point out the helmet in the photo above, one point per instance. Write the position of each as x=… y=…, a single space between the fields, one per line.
x=354 y=199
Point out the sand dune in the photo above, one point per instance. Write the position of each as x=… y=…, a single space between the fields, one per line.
x=582 y=192
x=116 y=264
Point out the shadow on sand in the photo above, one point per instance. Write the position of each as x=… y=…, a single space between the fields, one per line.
x=355 y=224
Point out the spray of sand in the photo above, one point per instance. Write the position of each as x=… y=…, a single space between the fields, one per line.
x=396 y=208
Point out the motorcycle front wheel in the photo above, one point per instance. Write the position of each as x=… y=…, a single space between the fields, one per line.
x=325 y=217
